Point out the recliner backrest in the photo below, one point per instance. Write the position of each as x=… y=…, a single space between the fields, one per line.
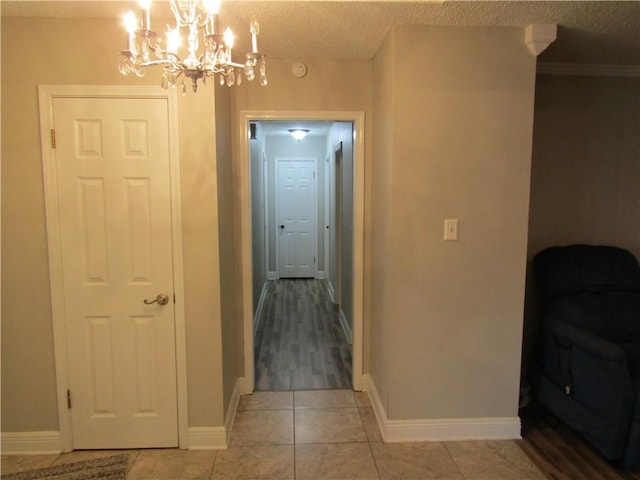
x=586 y=268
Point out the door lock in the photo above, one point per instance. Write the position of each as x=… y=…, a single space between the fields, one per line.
x=161 y=299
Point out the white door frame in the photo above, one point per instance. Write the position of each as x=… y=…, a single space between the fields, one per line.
x=277 y=207
x=46 y=96
x=244 y=117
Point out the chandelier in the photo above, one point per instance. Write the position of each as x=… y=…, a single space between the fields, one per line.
x=145 y=49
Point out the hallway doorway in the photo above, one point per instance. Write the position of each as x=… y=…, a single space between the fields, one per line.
x=294 y=334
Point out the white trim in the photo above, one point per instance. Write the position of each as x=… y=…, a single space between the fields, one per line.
x=331 y=291
x=272 y=275
x=588 y=70
x=31 y=443
x=207 y=438
x=321 y=275
x=46 y=95
x=344 y=323
x=538 y=36
x=218 y=438
x=325 y=225
x=258 y=315
x=358 y=120
x=238 y=389
x=265 y=209
x=440 y=429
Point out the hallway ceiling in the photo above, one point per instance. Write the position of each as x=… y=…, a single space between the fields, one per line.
x=589 y=32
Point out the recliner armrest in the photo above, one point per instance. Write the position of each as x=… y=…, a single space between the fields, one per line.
x=585 y=339
x=588 y=368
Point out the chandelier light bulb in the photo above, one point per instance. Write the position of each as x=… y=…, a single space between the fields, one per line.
x=211 y=6
x=146 y=13
x=130 y=22
x=254 y=28
x=173 y=41
x=228 y=38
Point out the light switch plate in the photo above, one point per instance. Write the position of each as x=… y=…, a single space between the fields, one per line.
x=451 y=229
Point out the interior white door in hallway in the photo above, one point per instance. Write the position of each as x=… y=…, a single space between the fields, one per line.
x=113 y=185
x=297 y=212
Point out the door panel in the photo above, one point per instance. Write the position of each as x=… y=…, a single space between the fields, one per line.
x=297 y=218
x=113 y=183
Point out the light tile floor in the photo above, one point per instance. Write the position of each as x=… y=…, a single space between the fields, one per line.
x=322 y=434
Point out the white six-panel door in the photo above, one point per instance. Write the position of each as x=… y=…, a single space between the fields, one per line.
x=113 y=182
x=297 y=218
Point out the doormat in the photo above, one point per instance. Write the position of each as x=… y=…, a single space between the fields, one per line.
x=107 y=468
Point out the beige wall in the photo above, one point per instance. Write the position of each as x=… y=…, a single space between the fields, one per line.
x=28 y=372
x=379 y=224
x=461 y=101
x=585 y=174
x=232 y=348
x=342 y=133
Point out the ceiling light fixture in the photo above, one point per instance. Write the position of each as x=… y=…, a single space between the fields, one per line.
x=298 y=133
x=144 y=47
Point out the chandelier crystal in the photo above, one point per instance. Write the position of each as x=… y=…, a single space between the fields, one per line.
x=145 y=49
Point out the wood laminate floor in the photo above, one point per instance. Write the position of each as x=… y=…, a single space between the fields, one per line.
x=561 y=454
x=299 y=344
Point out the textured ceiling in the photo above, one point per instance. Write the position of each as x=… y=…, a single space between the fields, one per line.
x=589 y=32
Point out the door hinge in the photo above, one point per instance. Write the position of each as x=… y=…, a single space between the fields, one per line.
x=174 y=298
x=53 y=138
x=69 y=399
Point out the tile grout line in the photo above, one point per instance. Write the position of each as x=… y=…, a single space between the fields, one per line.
x=375 y=463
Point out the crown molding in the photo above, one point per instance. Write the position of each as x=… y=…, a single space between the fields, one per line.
x=588 y=70
x=538 y=37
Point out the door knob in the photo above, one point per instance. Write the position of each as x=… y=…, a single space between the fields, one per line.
x=161 y=299
x=281 y=227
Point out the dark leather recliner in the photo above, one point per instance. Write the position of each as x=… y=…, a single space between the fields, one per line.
x=588 y=358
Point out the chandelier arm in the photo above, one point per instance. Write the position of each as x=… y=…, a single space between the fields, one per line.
x=177 y=13
x=165 y=62
x=207 y=19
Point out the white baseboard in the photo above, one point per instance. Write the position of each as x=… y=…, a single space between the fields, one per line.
x=258 y=314
x=344 y=323
x=331 y=291
x=440 y=429
x=239 y=389
x=207 y=438
x=31 y=443
x=321 y=275
x=272 y=275
x=217 y=438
